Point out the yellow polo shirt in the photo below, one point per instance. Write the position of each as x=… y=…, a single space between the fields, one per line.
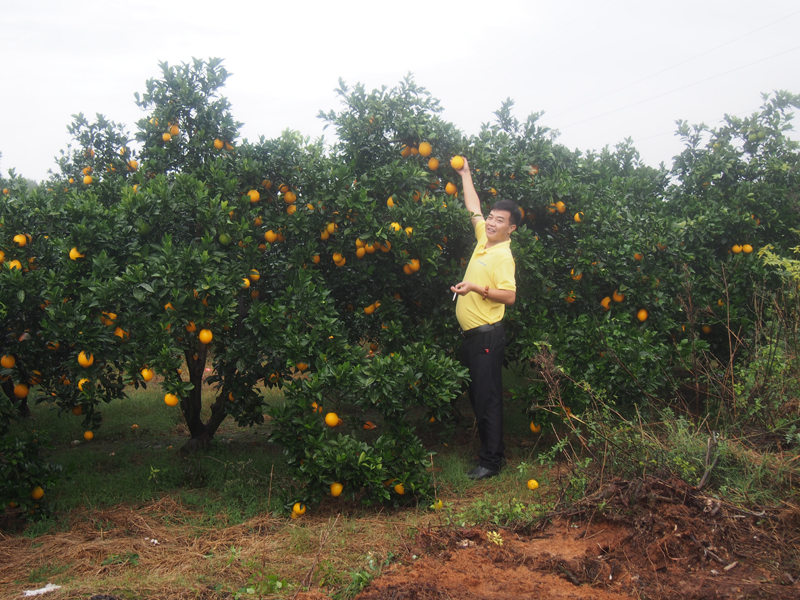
x=493 y=267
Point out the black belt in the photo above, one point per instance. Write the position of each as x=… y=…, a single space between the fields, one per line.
x=469 y=333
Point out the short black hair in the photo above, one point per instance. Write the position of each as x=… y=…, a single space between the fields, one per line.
x=511 y=208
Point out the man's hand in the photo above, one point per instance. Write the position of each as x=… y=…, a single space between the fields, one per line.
x=463 y=288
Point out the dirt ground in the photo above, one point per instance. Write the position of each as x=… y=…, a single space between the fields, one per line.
x=651 y=539
x=637 y=539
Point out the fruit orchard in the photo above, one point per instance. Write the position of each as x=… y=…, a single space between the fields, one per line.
x=181 y=250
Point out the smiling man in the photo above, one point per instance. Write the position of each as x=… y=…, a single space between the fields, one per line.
x=488 y=287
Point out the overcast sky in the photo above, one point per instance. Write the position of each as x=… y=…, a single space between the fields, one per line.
x=601 y=71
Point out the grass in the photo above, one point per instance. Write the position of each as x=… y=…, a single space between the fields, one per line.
x=220 y=520
x=221 y=503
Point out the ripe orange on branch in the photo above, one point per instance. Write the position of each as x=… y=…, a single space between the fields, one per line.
x=457 y=162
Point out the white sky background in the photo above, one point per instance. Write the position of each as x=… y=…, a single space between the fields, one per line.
x=601 y=71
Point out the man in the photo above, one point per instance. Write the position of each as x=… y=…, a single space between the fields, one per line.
x=488 y=287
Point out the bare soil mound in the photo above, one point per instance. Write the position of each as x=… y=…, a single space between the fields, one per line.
x=641 y=539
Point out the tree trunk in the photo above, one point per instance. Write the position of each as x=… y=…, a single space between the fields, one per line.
x=192 y=405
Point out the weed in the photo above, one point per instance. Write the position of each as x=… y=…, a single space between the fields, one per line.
x=128 y=558
x=259 y=585
x=47 y=573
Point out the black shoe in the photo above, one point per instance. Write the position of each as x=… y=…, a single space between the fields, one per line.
x=481 y=473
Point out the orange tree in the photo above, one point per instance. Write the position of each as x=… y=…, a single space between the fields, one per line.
x=208 y=259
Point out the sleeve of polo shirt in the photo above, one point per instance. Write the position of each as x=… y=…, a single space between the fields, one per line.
x=480 y=230
x=504 y=275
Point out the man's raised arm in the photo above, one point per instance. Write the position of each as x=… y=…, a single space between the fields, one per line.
x=471 y=200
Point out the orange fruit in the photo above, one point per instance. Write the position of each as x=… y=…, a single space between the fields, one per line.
x=747 y=248
x=560 y=206
x=85 y=360
x=166 y=137
x=336 y=489
x=254 y=275
x=390 y=202
x=88 y=436
x=218 y=144
x=617 y=297
x=395 y=226
x=409 y=231
x=706 y=329
x=425 y=149
x=405 y=152
x=533 y=484
x=535 y=428
x=400 y=489
x=570 y=297
x=642 y=315
x=736 y=249
x=132 y=165
x=578 y=216
x=37 y=493
x=77 y=410
x=254 y=195
x=121 y=333
x=457 y=163
x=15 y=264
x=316 y=259
x=270 y=236
x=171 y=400
x=290 y=197
x=331 y=419
x=191 y=327
x=74 y=254
x=606 y=303
x=205 y=336
x=299 y=509
x=450 y=189
x=20 y=240
x=337 y=257
x=147 y=374
x=173 y=130
x=433 y=164
x=414 y=151
x=8 y=361
x=577 y=277
x=370 y=309
x=81 y=382
x=21 y=390
x=369 y=248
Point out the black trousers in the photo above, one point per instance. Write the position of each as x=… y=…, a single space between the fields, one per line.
x=483 y=354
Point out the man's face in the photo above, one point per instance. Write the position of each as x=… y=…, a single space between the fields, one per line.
x=498 y=226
